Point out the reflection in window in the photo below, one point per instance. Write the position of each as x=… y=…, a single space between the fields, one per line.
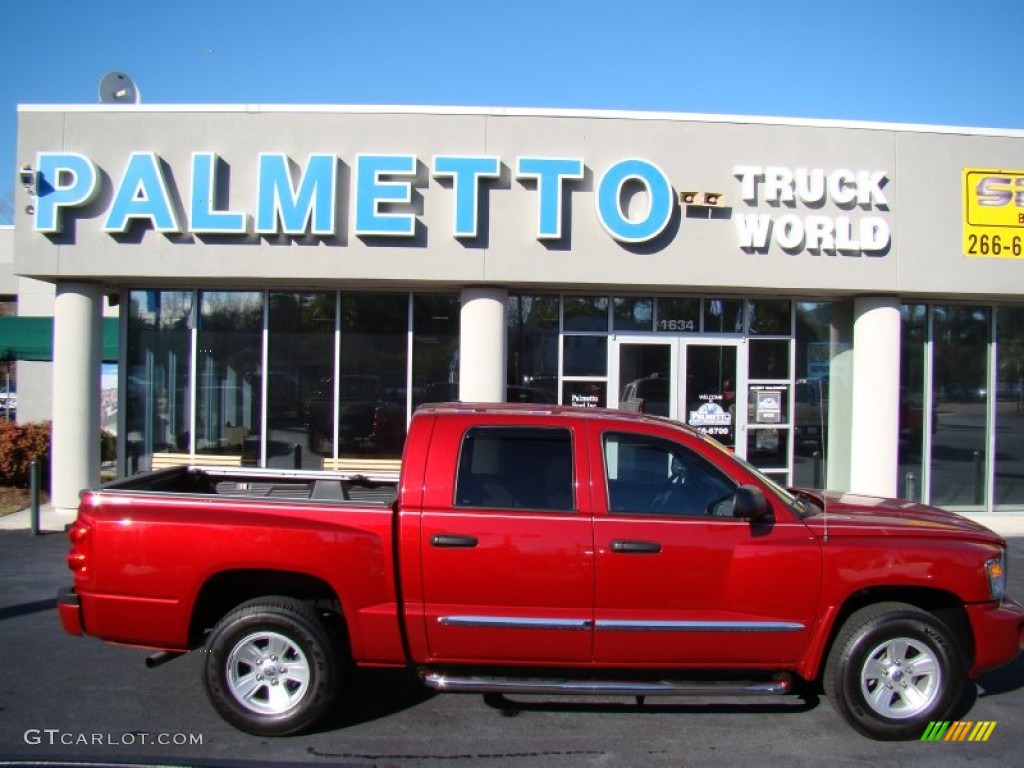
x=632 y=314
x=769 y=317
x=768 y=448
x=229 y=374
x=958 y=457
x=1009 y=426
x=532 y=323
x=158 y=410
x=516 y=468
x=823 y=394
x=585 y=313
x=372 y=385
x=768 y=359
x=585 y=356
x=723 y=316
x=300 y=380
x=435 y=361
x=678 y=315
x=913 y=334
x=650 y=476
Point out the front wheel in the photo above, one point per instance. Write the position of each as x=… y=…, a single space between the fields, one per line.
x=893 y=669
x=271 y=668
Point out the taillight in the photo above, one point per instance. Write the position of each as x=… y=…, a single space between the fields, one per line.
x=78 y=555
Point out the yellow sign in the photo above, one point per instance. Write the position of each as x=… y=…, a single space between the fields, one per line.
x=993 y=213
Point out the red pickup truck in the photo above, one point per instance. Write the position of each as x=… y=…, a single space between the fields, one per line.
x=543 y=549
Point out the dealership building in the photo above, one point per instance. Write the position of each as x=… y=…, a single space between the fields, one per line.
x=841 y=303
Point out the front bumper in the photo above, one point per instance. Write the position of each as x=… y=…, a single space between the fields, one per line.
x=998 y=633
x=69 y=609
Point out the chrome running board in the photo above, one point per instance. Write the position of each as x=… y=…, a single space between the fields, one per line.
x=440 y=681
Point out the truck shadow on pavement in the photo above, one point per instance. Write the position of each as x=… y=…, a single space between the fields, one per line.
x=1005 y=679
x=24 y=609
x=790 y=703
x=374 y=695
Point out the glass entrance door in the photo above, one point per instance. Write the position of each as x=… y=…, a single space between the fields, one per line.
x=715 y=391
x=644 y=372
x=700 y=383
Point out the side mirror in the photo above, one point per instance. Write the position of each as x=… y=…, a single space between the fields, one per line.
x=750 y=504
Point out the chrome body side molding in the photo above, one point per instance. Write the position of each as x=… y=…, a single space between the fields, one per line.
x=515 y=622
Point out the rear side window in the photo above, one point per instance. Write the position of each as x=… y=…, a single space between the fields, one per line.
x=516 y=468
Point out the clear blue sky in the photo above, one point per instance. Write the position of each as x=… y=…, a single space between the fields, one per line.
x=923 y=61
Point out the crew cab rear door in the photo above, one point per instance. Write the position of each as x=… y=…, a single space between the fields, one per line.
x=679 y=580
x=506 y=543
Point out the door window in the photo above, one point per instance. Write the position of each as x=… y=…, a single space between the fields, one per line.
x=515 y=468
x=651 y=476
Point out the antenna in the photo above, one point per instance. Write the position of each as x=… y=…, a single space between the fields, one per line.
x=824 y=452
x=118 y=88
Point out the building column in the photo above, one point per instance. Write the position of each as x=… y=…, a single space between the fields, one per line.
x=482 y=345
x=875 y=429
x=77 y=353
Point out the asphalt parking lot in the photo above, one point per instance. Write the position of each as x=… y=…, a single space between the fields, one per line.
x=69 y=699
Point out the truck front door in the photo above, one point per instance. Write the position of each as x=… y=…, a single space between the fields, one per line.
x=682 y=582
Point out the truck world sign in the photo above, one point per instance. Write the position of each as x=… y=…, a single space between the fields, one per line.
x=302 y=200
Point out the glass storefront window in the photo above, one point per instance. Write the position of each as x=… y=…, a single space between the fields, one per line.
x=768 y=359
x=960 y=393
x=585 y=313
x=723 y=316
x=631 y=314
x=435 y=362
x=768 y=317
x=1009 y=426
x=585 y=356
x=913 y=335
x=823 y=394
x=158 y=414
x=768 y=448
x=300 y=379
x=678 y=315
x=372 y=410
x=585 y=394
x=229 y=374
x=532 y=323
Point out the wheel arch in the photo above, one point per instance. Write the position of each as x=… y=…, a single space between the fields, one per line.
x=945 y=606
x=226 y=590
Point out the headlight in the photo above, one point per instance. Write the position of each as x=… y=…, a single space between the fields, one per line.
x=995 y=569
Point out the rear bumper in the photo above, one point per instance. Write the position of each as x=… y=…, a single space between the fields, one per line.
x=69 y=609
x=998 y=633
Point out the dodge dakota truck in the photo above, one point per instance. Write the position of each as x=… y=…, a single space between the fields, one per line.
x=543 y=549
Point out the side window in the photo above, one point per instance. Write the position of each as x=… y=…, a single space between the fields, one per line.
x=650 y=476
x=516 y=468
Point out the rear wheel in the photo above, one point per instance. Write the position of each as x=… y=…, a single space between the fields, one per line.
x=271 y=669
x=893 y=669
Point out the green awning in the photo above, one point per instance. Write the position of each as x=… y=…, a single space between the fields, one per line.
x=31 y=338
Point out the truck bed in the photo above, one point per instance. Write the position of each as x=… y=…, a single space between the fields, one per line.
x=264 y=483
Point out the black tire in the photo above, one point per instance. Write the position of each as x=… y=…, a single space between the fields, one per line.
x=871 y=679
x=271 y=667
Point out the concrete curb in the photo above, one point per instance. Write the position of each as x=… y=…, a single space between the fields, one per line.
x=51 y=519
